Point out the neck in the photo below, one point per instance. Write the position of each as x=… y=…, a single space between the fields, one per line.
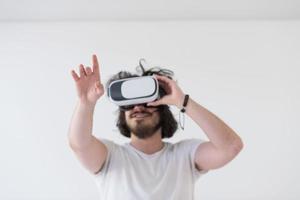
x=149 y=145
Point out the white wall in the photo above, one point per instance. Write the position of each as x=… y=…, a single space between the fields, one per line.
x=246 y=72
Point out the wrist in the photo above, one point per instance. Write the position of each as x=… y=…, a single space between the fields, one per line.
x=86 y=104
x=180 y=101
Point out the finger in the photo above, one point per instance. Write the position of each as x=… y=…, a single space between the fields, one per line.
x=163 y=78
x=96 y=69
x=88 y=71
x=74 y=75
x=98 y=84
x=165 y=86
x=98 y=88
x=165 y=82
x=82 y=71
x=170 y=82
x=156 y=103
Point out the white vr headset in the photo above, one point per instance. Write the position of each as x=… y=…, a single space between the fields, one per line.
x=136 y=90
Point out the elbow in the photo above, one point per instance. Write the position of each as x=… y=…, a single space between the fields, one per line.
x=72 y=145
x=70 y=141
x=236 y=146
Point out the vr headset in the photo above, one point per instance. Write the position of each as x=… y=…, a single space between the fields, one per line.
x=128 y=92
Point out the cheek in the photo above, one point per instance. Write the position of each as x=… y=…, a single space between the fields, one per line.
x=156 y=116
x=127 y=119
x=126 y=115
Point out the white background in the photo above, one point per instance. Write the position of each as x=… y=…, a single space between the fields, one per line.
x=246 y=72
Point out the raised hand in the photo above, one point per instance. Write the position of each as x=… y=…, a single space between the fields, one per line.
x=88 y=85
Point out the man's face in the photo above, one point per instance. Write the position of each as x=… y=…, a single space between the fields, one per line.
x=143 y=122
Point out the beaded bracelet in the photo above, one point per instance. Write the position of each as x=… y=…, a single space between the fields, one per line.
x=186 y=98
x=182 y=111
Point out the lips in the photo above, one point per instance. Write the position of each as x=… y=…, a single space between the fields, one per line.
x=140 y=115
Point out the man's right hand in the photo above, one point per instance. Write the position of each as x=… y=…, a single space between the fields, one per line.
x=88 y=85
x=90 y=151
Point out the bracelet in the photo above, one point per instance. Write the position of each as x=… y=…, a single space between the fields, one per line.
x=181 y=118
x=186 y=98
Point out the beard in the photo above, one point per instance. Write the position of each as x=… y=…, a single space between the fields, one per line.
x=143 y=130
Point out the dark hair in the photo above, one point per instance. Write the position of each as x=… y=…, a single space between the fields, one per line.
x=168 y=123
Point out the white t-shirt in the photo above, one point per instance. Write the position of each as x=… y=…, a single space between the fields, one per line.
x=130 y=174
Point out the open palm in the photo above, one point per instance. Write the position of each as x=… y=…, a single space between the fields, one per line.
x=88 y=85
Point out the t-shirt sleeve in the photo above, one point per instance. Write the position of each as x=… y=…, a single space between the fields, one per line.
x=190 y=147
x=110 y=145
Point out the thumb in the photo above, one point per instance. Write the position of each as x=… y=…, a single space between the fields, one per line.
x=97 y=84
x=98 y=87
x=155 y=103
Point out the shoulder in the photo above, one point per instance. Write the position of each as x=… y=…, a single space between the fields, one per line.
x=185 y=147
x=110 y=145
x=188 y=144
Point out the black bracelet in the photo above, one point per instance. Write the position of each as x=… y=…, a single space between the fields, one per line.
x=186 y=98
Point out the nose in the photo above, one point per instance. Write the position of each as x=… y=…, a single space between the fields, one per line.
x=139 y=107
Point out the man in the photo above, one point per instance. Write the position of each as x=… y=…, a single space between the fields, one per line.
x=147 y=167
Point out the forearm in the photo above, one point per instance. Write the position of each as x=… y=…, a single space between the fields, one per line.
x=80 y=130
x=220 y=134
